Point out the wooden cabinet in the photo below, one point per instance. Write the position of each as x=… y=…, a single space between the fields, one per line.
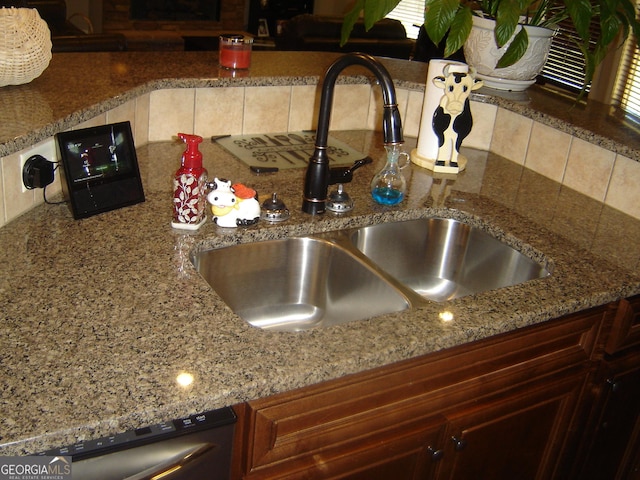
x=504 y=407
x=611 y=448
x=614 y=451
x=625 y=331
x=520 y=436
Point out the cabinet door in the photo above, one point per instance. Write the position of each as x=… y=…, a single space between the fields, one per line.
x=625 y=332
x=615 y=451
x=519 y=436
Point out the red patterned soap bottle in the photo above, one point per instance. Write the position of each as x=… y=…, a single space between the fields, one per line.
x=189 y=199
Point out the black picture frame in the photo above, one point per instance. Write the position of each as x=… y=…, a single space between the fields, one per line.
x=99 y=169
x=263 y=27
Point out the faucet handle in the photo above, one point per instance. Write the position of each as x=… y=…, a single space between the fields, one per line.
x=345 y=174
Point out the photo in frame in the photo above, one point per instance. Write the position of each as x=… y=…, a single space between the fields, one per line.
x=99 y=169
x=263 y=27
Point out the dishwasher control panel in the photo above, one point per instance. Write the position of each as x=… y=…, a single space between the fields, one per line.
x=147 y=434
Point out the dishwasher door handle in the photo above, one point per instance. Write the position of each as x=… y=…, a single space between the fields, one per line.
x=173 y=464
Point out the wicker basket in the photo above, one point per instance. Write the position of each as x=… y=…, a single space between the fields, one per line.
x=25 y=45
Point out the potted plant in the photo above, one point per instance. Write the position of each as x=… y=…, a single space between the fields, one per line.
x=454 y=19
x=492 y=63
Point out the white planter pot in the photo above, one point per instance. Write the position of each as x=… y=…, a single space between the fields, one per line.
x=482 y=52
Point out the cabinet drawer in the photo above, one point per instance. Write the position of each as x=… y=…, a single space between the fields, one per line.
x=299 y=427
x=625 y=331
x=406 y=450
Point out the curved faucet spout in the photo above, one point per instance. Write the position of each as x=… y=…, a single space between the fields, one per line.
x=317 y=176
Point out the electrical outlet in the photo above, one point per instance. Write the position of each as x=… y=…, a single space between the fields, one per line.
x=47 y=149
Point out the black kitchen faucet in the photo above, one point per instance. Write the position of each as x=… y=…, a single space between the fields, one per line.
x=319 y=176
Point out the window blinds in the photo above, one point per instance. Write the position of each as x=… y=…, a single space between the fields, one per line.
x=565 y=66
x=411 y=14
x=626 y=94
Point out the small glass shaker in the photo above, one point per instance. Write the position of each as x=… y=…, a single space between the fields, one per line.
x=389 y=186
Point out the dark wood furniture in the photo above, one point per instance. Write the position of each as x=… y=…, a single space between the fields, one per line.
x=386 y=38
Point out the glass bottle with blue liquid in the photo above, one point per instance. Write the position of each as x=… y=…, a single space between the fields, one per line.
x=389 y=186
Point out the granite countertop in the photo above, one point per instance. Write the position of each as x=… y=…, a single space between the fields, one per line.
x=99 y=316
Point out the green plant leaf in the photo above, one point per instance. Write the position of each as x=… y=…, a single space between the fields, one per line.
x=438 y=18
x=627 y=16
x=539 y=13
x=525 y=5
x=592 y=60
x=515 y=51
x=489 y=7
x=635 y=26
x=609 y=28
x=460 y=28
x=350 y=19
x=580 y=12
x=628 y=9
x=599 y=54
x=607 y=7
x=375 y=10
x=507 y=20
x=504 y=31
x=625 y=30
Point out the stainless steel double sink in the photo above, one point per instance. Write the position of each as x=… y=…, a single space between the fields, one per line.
x=326 y=279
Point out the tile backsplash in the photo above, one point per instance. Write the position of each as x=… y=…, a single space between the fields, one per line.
x=158 y=116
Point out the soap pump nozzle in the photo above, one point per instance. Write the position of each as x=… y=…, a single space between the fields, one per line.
x=192 y=157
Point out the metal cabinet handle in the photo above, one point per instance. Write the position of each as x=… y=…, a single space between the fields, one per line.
x=459 y=443
x=614 y=384
x=435 y=453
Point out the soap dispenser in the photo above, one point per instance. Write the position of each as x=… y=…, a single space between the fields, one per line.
x=189 y=183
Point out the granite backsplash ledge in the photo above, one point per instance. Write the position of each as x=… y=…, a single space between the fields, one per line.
x=78 y=86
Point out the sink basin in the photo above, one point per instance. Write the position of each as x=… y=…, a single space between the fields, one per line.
x=296 y=283
x=336 y=277
x=442 y=259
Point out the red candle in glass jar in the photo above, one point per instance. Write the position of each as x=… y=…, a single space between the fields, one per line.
x=235 y=51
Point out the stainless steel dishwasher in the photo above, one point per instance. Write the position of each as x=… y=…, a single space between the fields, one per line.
x=195 y=447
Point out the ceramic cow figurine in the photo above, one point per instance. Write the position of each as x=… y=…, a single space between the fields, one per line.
x=452 y=120
x=233 y=205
